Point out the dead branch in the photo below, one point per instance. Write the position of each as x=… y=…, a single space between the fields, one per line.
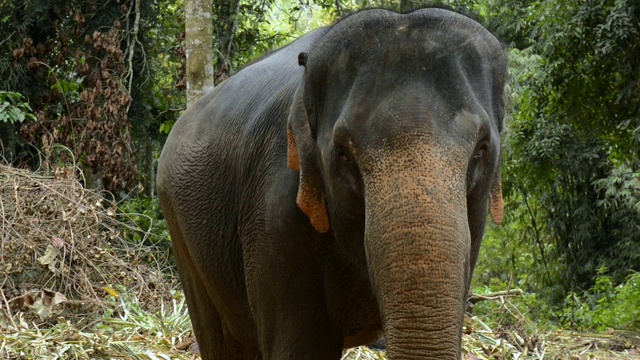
x=476 y=298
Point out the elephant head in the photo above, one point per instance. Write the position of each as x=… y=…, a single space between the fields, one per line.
x=395 y=131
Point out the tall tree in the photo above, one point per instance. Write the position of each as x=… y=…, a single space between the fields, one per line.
x=198 y=48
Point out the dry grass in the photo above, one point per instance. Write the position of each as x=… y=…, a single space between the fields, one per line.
x=515 y=343
x=65 y=262
x=63 y=243
x=483 y=343
x=74 y=288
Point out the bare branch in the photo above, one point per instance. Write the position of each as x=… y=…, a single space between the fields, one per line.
x=136 y=27
x=475 y=298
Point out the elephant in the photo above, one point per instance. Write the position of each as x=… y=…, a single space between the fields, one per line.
x=336 y=190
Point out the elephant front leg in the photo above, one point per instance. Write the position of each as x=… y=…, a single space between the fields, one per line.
x=291 y=314
x=295 y=332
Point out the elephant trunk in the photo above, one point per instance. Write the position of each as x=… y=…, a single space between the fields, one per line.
x=417 y=242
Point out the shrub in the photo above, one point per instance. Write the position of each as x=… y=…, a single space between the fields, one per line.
x=605 y=305
x=147 y=225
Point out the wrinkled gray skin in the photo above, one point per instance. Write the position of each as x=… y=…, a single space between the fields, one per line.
x=312 y=207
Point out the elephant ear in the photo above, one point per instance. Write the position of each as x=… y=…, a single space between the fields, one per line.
x=496 y=204
x=302 y=157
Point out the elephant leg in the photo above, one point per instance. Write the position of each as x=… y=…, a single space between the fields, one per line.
x=291 y=313
x=214 y=342
x=299 y=333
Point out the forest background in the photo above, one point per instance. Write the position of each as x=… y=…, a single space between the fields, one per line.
x=99 y=83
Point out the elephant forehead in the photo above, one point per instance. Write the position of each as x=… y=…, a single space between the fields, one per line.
x=418 y=37
x=385 y=93
x=372 y=58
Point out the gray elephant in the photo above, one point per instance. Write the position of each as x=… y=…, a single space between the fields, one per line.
x=338 y=188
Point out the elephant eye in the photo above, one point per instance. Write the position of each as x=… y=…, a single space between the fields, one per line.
x=342 y=154
x=482 y=151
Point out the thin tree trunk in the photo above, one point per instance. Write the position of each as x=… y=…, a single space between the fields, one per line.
x=198 y=49
x=8 y=142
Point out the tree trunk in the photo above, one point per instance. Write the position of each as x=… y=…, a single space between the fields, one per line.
x=198 y=49
x=8 y=142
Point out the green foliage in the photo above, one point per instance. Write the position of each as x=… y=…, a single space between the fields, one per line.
x=69 y=85
x=246 y=29
x=13 y=108
x=570 y=169
x=512 y=258
x=159 y=88
x=158 y=83
x=605 y=305
x=165 y=127
x=147 y=225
